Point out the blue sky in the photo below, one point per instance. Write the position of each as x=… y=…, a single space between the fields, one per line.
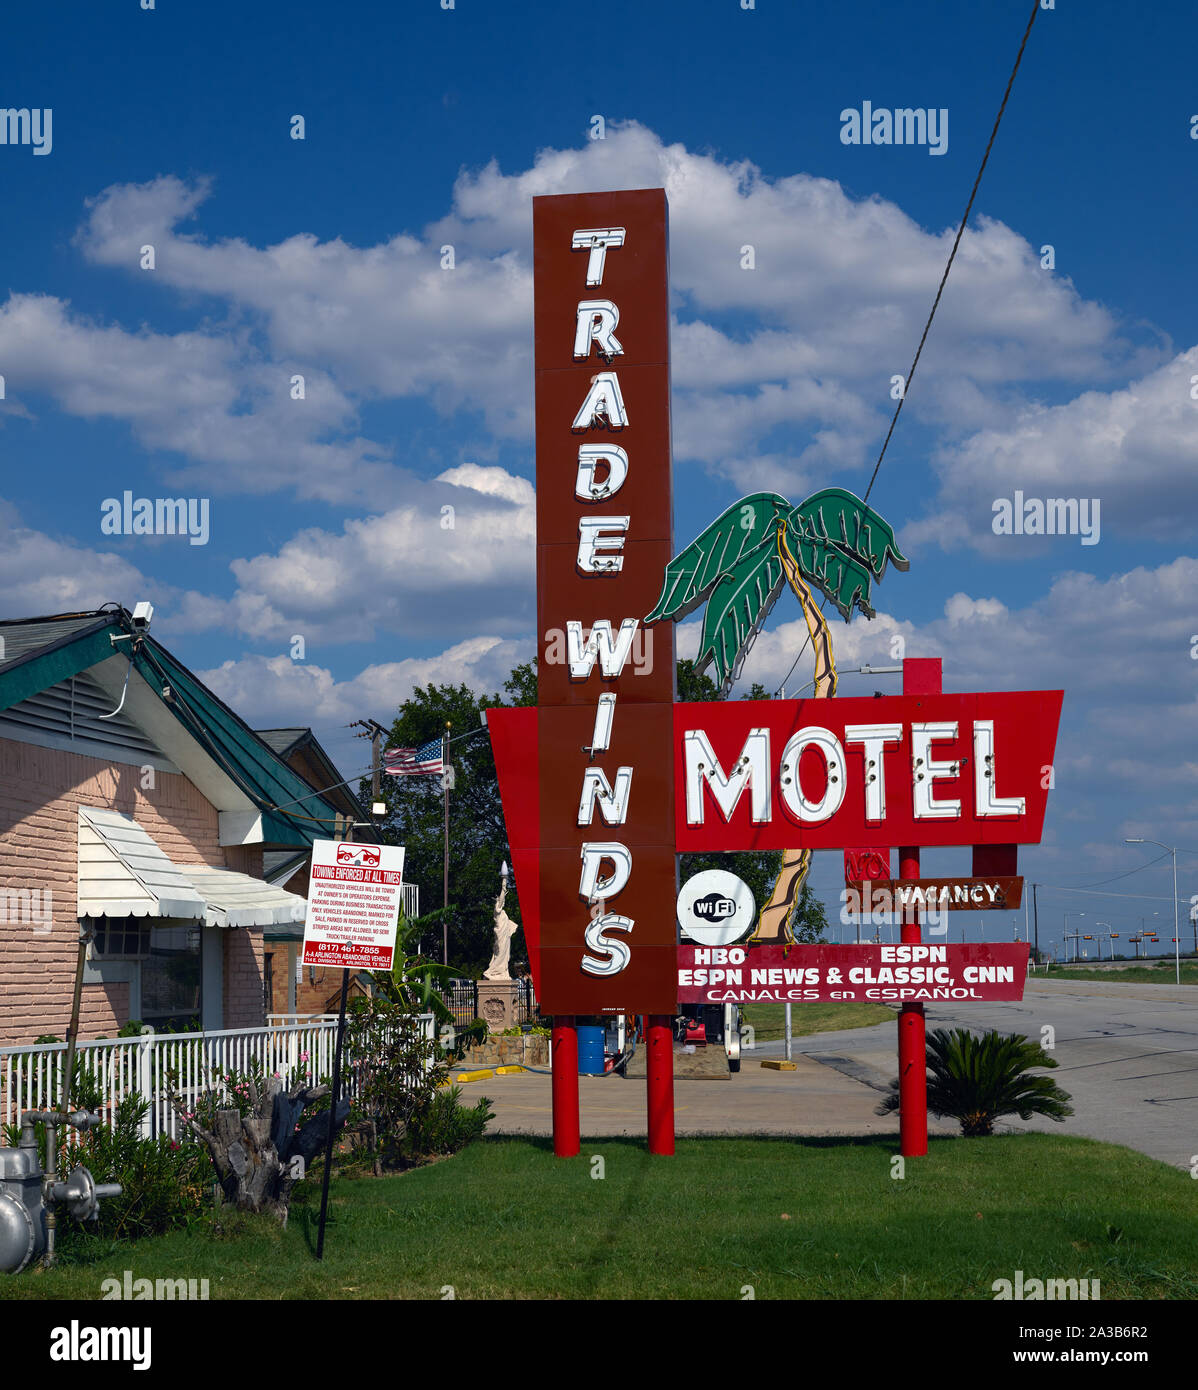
x=427 y=127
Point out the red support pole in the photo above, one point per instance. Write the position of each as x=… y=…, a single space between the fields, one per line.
x=921 y=676
x=659 y=1066
x=566 y=1133
x=912 y=1045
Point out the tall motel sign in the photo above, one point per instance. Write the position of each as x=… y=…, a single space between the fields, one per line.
x=608 y=778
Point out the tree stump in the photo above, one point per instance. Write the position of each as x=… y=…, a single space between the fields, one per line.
x=260 y=1156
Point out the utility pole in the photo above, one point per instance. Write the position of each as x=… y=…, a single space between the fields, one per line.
x=375 y=732
x=1036 y=916
x=446 y=778
x=376 y=789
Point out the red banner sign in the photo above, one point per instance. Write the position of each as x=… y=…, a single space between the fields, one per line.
x=971 y=972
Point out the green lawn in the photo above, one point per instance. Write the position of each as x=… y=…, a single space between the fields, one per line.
x=767 y=1020
x=818 y=1219
x=1131 y=974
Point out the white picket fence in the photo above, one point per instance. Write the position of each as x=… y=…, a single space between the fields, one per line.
x=31 y=1077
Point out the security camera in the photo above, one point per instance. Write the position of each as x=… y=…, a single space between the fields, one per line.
x=142 y=614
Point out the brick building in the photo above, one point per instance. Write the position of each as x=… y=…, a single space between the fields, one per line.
x=134 y=802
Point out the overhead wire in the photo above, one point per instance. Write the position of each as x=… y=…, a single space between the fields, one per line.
x=940 y=290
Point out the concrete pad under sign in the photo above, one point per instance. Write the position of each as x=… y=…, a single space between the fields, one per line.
x=703 y=1064
x=812 y=1100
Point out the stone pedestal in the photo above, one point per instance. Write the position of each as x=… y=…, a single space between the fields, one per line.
x=497 y=1003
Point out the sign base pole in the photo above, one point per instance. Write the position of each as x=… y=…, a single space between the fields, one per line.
x=659 y=1066
x=566 y=1132
x=912 y=1044
x=336 y=1096
x=913 y=1082
x=920 y=677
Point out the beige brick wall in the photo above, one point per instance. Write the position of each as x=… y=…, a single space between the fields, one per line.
x=41 y=790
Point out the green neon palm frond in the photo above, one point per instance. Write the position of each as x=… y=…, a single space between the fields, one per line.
x=840 y=544
x=739 y=604
x=692 y=575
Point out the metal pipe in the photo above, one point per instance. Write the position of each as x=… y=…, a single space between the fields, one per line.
x=51 y=1171
x=86 y=932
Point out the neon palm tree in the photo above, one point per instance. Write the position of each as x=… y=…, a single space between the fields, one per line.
x=831 y=542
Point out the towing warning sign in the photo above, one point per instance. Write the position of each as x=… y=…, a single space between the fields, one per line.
x=354 y=897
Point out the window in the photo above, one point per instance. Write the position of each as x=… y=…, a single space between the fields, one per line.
x=170 y=978
x=161 y=959
x=122 y=938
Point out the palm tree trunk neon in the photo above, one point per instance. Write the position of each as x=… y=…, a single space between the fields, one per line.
x=774 y=920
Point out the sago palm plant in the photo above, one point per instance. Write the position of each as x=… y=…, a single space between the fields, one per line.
x=976 y=1079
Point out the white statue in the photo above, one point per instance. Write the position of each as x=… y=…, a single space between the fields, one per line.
x=505 y=929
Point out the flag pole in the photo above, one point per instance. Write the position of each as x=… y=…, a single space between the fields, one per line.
x=445 y=859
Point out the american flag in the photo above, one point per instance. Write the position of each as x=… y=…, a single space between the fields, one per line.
x=412 y=762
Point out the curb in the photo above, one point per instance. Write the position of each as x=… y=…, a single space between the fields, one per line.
x=484 y=1075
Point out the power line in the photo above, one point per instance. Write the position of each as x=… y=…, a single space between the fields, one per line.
x=940 y=290
x=1138 y=869
x=956 y=242
x=1132 y=897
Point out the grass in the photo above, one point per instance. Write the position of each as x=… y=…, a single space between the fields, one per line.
x=804 y=1218
x=1132 y=974
x=768 y=1020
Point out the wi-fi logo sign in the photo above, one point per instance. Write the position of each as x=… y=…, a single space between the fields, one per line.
x=713 y=907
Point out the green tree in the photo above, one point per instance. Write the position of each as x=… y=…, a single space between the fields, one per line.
x=477 y=836
x=521 y=685
x=810 y=920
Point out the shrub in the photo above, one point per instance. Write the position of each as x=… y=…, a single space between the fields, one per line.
x=398 y=1072
x=444 y=1125
x=164 y=1184
x=978 y=1079
x=474 y=1032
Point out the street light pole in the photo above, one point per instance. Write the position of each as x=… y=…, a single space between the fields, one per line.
x=1172 y=849
x=1077 y=951
x=1107 y=925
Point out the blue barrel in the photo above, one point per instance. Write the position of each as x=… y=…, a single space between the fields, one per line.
x=590 y=1050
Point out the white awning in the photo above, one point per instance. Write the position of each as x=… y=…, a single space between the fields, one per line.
x=123 y=873
x=238 y=900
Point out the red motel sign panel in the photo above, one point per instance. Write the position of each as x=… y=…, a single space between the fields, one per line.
x=904 y=769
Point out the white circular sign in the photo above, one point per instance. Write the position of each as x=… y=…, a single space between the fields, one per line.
x=715 y=908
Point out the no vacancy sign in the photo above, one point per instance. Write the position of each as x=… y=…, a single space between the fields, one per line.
x=353 y=905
